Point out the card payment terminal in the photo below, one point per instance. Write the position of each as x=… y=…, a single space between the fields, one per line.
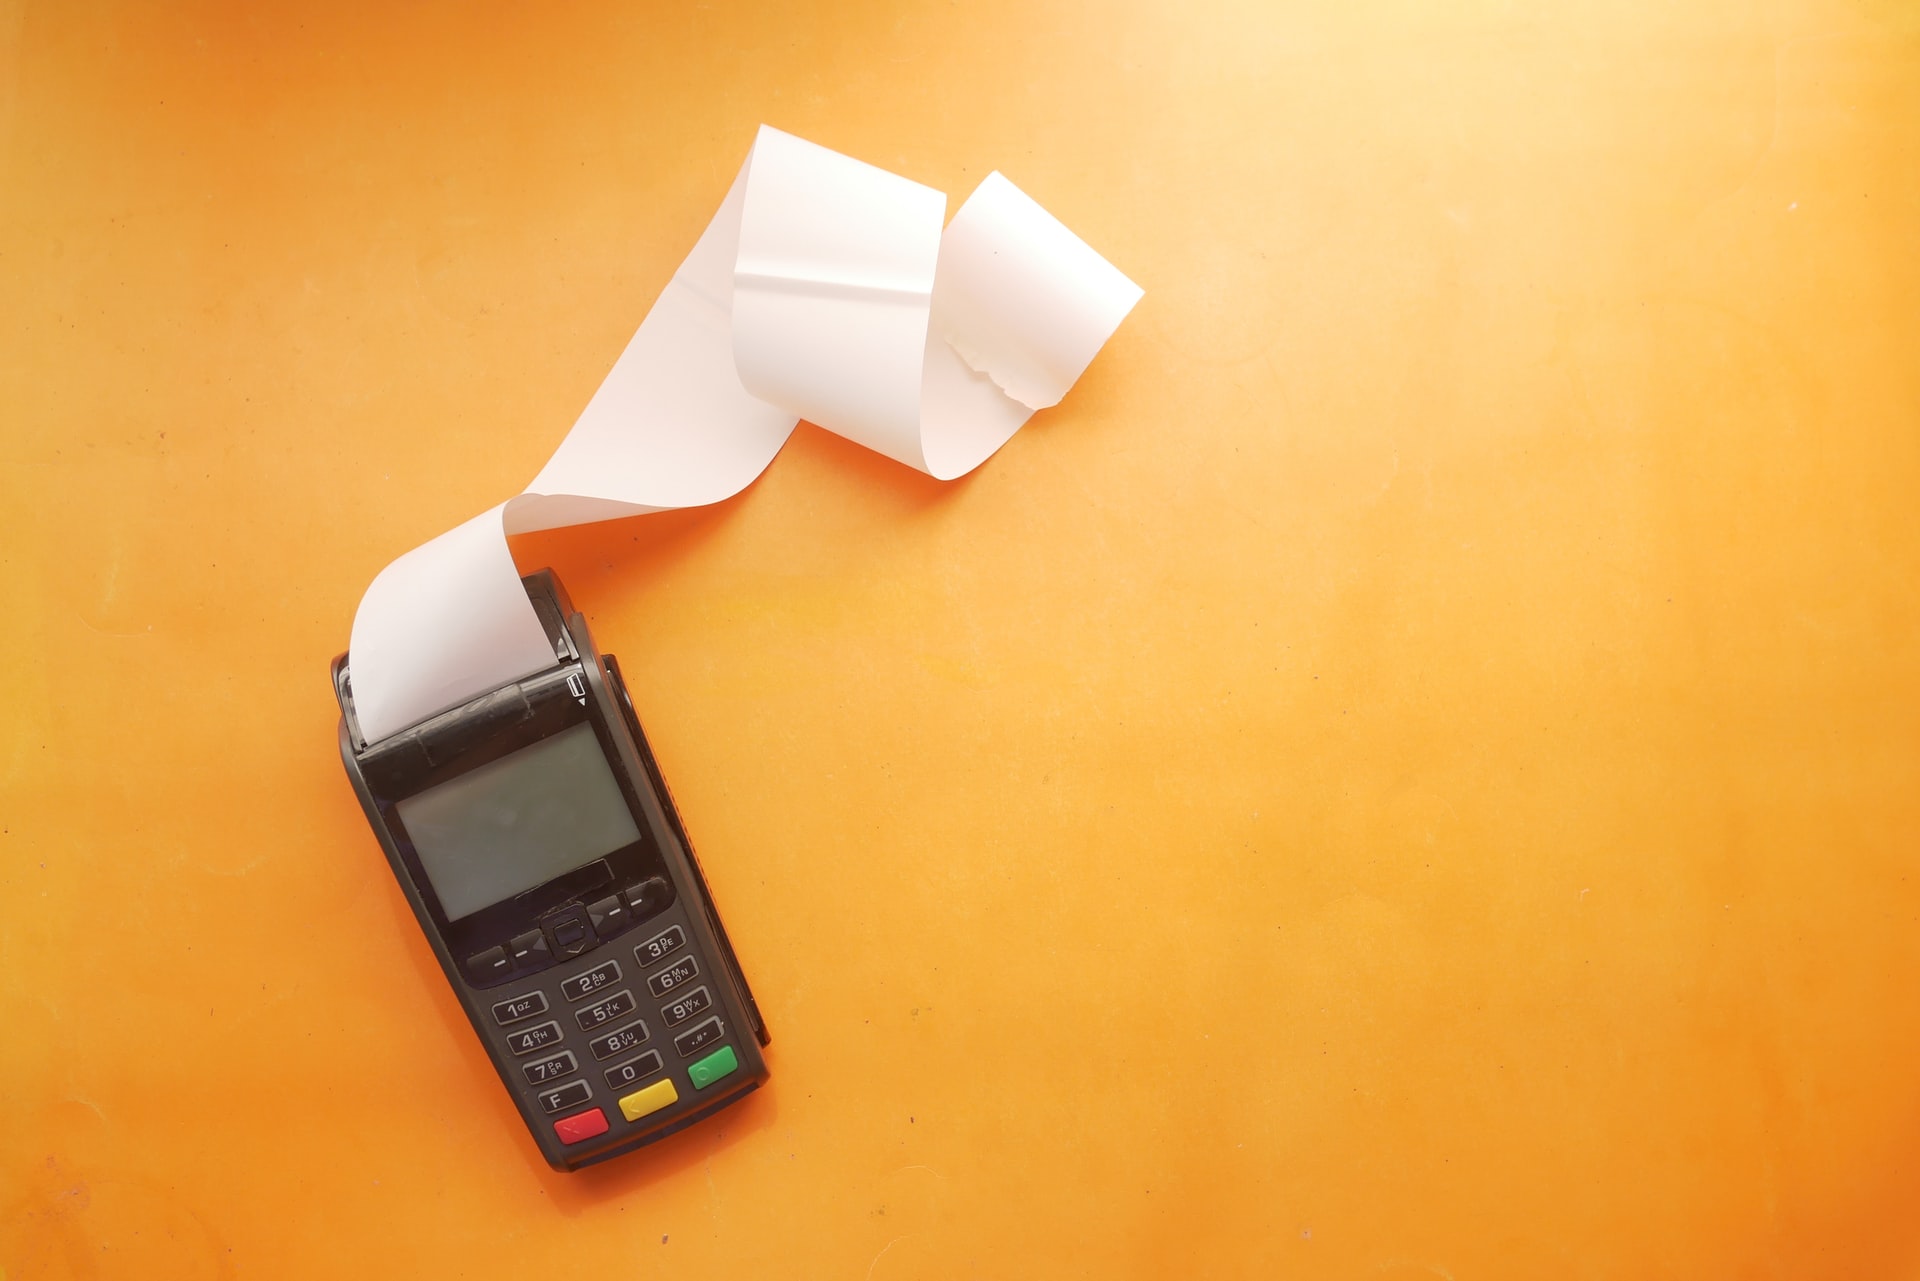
x=537 y=844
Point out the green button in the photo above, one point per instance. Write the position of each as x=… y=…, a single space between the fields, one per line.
x=713 y=1067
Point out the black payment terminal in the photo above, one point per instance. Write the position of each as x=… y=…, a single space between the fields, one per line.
x=537 y=844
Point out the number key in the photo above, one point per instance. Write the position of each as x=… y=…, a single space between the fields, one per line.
x=681 y=972
x=621 y=1076
x=537 y=1037
x=620 y=1040
x=540 y=1071
x=605 y=1011
x=678 y=1011
x=661 y=946
x=515 y=1008
x=585 y=984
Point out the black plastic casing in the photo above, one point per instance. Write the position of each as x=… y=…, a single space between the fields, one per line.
x=583 y=686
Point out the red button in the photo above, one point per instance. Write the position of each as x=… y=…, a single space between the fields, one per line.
x=581 y=1125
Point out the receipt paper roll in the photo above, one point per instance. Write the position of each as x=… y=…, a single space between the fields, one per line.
x=823 y=289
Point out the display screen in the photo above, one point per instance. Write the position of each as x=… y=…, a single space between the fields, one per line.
x=518 y=822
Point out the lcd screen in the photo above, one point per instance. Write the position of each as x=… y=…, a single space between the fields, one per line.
x=518 y=822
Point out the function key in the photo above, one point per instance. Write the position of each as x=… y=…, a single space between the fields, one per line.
x=587 y=982
x=485 y=967
x=622 y=1075
x=698 y=1039
x=649 y=898
x=515 y=1008
x=661 y=946
x=678 y=1011
x=538 y=1037
x=679 y=974
x=581 y=1126
x=565 y=1097
x=618 y=1041
x=530 y=950
x=704 y=1072
x=609 y=916
x=604 y=1011
x=646 y=1102
x=540 y=1071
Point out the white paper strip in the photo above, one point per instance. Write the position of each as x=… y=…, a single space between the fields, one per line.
x=823 y=289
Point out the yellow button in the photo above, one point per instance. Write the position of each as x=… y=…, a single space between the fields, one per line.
x=652 y=1099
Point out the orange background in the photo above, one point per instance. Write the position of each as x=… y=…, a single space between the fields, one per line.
x=1409 y=771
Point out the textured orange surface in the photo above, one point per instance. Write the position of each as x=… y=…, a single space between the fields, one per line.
x=1413 y=770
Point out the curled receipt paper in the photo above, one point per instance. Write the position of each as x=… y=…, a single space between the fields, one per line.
x=824 y=289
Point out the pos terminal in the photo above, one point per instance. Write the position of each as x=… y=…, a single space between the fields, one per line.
x=540 y=851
